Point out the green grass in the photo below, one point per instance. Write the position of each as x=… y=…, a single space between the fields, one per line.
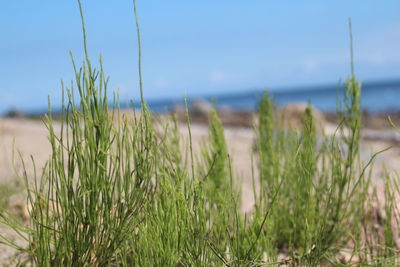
x=118 y=192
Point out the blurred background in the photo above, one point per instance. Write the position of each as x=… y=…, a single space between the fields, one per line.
x=228 y=50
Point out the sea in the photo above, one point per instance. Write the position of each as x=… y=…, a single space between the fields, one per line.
x=376 y=97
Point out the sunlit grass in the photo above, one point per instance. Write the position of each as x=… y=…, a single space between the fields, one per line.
x=116 y=191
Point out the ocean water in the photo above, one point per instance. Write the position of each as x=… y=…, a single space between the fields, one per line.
x=381 y=96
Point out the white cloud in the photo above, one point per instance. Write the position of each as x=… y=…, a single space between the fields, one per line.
x=161 y=83
x=380 y=46
x=218 y=77
x=222 y=77
x=311 y=65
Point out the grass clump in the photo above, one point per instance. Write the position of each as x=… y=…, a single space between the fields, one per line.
x=90 y=197
x=121 y=190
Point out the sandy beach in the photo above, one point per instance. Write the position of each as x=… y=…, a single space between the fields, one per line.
x=28 y=139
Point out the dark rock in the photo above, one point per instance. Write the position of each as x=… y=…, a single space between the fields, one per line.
x=200 y=108
x=236 y=118
x=199 y=111
x=15 y=114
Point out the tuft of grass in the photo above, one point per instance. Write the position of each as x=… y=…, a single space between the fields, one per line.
x=90 y=197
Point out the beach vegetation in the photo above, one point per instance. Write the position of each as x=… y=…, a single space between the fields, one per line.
x=126 y=189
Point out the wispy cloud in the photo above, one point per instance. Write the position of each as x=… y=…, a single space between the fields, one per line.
x=161 y=83
x=381 y=46
x=311 y=65
x=219 y=77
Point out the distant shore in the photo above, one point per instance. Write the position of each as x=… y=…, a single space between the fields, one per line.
x=244 y=118
x=377 y=98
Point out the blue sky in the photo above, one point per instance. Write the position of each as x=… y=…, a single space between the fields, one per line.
x=198 y=47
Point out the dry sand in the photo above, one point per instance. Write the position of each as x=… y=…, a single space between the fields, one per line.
x=30 y=138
